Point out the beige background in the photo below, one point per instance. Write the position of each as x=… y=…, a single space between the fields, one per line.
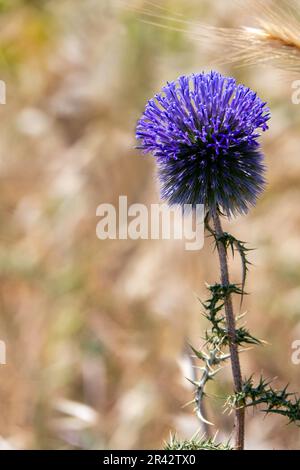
x=95 y=331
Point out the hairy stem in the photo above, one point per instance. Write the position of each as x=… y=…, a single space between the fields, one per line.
x=230 y=319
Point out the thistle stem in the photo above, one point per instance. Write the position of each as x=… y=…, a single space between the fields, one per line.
x=233 y=346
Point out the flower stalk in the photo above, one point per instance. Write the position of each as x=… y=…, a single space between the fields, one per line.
x=233 y=344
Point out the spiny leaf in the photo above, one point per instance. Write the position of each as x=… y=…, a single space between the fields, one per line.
x=195 y=443
x=276 y=401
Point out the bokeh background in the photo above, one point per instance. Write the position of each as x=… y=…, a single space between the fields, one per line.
x=95 y=331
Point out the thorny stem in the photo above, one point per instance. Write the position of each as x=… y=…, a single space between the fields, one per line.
x=201 y=412
x=233 y=346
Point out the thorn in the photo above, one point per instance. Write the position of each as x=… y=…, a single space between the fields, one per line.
x=201 y=417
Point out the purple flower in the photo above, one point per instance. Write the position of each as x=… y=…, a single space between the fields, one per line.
x=203 y=130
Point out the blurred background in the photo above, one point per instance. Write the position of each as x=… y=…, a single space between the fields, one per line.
x=96 y=331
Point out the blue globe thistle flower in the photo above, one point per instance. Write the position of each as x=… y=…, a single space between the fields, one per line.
x=203 y=130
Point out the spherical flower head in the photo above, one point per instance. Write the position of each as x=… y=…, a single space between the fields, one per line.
x=203 y=130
